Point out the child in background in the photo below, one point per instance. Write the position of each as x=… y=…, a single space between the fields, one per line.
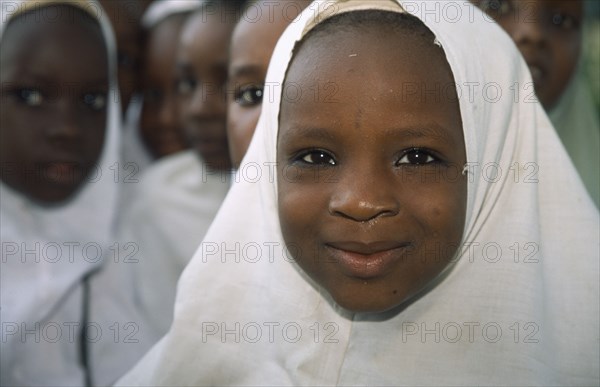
x=549 y=35
x=151 y=128
x=368 y=261
x=179 y=195
x=160 y=128
x=58 y=137
x=252 y=44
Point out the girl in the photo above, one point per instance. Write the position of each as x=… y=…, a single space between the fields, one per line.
x=252 y=45
x=59 y=133
x=178 y=197
x=159 y=123
x=549 y=34
x=387 y=252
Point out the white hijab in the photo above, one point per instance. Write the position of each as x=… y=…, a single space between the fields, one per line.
x=250 y=317
x=67 y=242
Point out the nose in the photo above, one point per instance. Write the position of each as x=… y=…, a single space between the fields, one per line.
x=65 y=127
x=362 y=196
x=167 y=114
x=208 y=101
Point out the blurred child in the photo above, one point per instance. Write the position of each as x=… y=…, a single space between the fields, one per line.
x=179 y=195
x=59 y=136
x=549 y=35
x=160 y=128
x=252 y=44
x=366 y=259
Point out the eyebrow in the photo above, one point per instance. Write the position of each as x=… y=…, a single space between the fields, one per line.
x=245 y=70
x=429 y=130
x=314 y=133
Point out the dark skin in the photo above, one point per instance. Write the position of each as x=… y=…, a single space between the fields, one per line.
x=125 y=18
x=54 y=78
x=159 y=123
x=548 y=34
x=252 y=45
x=365 y=196
x=202 y=74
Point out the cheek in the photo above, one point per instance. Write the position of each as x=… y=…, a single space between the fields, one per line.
x=94 y=140
x=442 y=217
x=301 y=209
x=566 y=52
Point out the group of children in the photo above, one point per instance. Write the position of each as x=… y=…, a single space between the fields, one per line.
x=423 y=207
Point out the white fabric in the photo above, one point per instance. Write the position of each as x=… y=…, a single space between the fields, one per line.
x=546 y=307
x=47 y=252
x=176 y=200
x=159 y=10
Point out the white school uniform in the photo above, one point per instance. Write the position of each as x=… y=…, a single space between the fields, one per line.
x=509 y=321
x=47 y=253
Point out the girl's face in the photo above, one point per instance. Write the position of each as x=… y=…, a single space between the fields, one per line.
x=54 y=77
x=548 y=34
x=252 y=45
x=371 y=197
x=159 y=124
x=201 y=77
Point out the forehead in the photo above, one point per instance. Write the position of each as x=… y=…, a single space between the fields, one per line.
x=57 y=46
x=354 y=57
x=254 y=40
x=388 y=77
x=208 y=32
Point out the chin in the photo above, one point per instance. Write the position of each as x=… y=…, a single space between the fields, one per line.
x=55 y=195
x=368 y=304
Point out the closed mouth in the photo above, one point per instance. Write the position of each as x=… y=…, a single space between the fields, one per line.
x=366 y=261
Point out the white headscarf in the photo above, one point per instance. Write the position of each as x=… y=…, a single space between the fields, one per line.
x=43 y=288
x=245 y=315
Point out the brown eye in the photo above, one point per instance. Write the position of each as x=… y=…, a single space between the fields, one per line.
x=30 y=97
x=249 y=95
x=317 y=157
x=495 y=8
x=416 y=157
x=564 y=21
x=185 y=86
x=95 y=101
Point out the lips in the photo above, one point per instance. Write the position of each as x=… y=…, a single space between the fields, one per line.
x=367 y=260
x=61 y=172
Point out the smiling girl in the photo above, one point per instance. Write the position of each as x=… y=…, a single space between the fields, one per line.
x=369 y=261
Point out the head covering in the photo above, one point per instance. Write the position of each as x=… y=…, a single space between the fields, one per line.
x=246 y=315
x=46 y=252
x=159 y=10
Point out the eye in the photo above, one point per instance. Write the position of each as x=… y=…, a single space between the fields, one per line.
x=124 y=59
x=185 y=86
x=249 y=95
x=317 y=157
x=30 y=97
x=152 y=96
x=416 y=156
x=564 y=21
x=95 y=101
x=495 y=8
